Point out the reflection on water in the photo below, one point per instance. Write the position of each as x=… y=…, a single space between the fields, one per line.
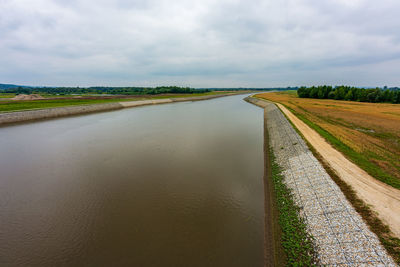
x=168 y=185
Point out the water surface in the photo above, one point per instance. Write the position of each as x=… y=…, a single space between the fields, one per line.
x=166 y=185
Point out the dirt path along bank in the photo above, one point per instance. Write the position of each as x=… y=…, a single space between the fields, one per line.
x=383 y=199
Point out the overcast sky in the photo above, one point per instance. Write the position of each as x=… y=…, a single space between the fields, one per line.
x=200 y=43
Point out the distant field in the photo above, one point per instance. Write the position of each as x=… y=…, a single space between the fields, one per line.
x=367 y=133
x=39 y=104
x=116 y=96
x=11 y=105
x=3 y=95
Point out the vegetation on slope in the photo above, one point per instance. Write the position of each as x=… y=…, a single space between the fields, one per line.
x=296 y=241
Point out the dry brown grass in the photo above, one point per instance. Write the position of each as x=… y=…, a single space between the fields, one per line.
x=370 y=129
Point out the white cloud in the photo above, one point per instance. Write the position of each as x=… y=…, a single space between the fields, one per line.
x=204 y=43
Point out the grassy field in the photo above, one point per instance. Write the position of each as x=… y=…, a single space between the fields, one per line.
x=367 y=133
x=6 y=95
x=11 y=105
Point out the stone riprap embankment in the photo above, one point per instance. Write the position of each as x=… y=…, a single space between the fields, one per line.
x=341 y=236
x=39 y=114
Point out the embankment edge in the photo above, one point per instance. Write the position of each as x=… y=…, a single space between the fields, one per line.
x=274 y=254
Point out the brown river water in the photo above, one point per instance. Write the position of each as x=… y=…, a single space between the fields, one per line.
x=166 y=185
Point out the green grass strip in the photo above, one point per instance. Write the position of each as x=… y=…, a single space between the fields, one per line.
x=297 y=243
x=41 y=104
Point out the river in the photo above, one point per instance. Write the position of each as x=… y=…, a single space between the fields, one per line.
x=166 y=185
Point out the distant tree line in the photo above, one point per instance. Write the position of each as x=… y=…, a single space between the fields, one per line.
x=125 y=90
x=106 y=90
x=374 y=95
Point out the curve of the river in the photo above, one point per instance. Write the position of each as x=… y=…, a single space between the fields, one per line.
x=166 y=185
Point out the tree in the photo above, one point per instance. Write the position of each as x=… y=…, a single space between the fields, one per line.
x=349 y=96
x=314 y=92
x=351 y=93
x=303 y=92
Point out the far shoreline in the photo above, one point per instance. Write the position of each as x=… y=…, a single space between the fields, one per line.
x=24 y=116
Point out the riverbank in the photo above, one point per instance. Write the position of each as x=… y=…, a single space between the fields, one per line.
x=48 y=113
x=368 y=134
x=287 y=241
x=333 y=132
x=340 y=234
x=274 y=254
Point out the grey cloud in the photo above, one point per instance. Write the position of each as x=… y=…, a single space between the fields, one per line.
x=207 y=43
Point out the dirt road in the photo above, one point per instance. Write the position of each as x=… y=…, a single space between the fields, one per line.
x=383 y=199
